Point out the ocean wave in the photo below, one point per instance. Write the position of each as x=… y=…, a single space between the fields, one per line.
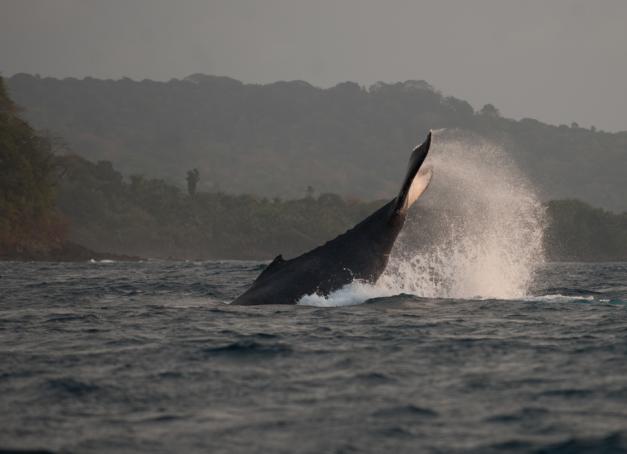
x=248 y=348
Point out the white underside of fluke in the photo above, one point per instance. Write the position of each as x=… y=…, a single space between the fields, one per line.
x=418 y=185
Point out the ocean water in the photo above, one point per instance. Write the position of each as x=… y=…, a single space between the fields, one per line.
x=149 y=357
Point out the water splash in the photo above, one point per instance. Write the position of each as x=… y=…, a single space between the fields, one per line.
x=354 y=293
x=480 y=232
x=476 y=233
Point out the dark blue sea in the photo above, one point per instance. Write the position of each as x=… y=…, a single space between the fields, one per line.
x=148 y=357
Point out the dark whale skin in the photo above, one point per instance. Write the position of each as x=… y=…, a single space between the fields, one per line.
x=360 y=253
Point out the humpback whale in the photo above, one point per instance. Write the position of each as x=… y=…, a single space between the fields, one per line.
x=361 y=253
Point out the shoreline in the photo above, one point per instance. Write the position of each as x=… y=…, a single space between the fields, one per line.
x=68 y=252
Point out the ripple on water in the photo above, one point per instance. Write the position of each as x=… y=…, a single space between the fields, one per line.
x=402 y=411
x=69 y=387
x=247 y=349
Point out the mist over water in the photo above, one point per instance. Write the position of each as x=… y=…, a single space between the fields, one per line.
x=477 y=232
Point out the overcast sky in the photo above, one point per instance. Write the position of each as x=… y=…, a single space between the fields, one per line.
x=555 y=60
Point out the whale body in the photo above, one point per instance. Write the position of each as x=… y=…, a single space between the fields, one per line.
x=361 y=253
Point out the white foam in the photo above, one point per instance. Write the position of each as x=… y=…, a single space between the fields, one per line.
x=354 y=293
x=559 y=298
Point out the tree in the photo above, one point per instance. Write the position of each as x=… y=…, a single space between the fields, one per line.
x=137 y=181
x=192 y=181
x=490 y=111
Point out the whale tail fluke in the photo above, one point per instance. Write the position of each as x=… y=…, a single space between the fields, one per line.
x=417 y=180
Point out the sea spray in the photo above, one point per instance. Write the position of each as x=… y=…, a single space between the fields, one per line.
x=476 y=233
x=480 y=233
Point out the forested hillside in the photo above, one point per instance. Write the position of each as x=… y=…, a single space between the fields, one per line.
x=280 y=138
x=578 y=232
x=50 y=204
x=100 y=209
x=150 y=218
x=29 y=222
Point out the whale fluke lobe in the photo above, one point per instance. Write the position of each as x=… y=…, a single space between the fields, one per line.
x=360 y=253
x=414 y=183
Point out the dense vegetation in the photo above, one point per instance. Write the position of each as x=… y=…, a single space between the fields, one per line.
x=29 y=223
x=579 y=232
x=151 y=218
x=277 y=139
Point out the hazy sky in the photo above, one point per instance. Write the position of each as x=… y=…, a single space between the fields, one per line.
x=555 y=60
